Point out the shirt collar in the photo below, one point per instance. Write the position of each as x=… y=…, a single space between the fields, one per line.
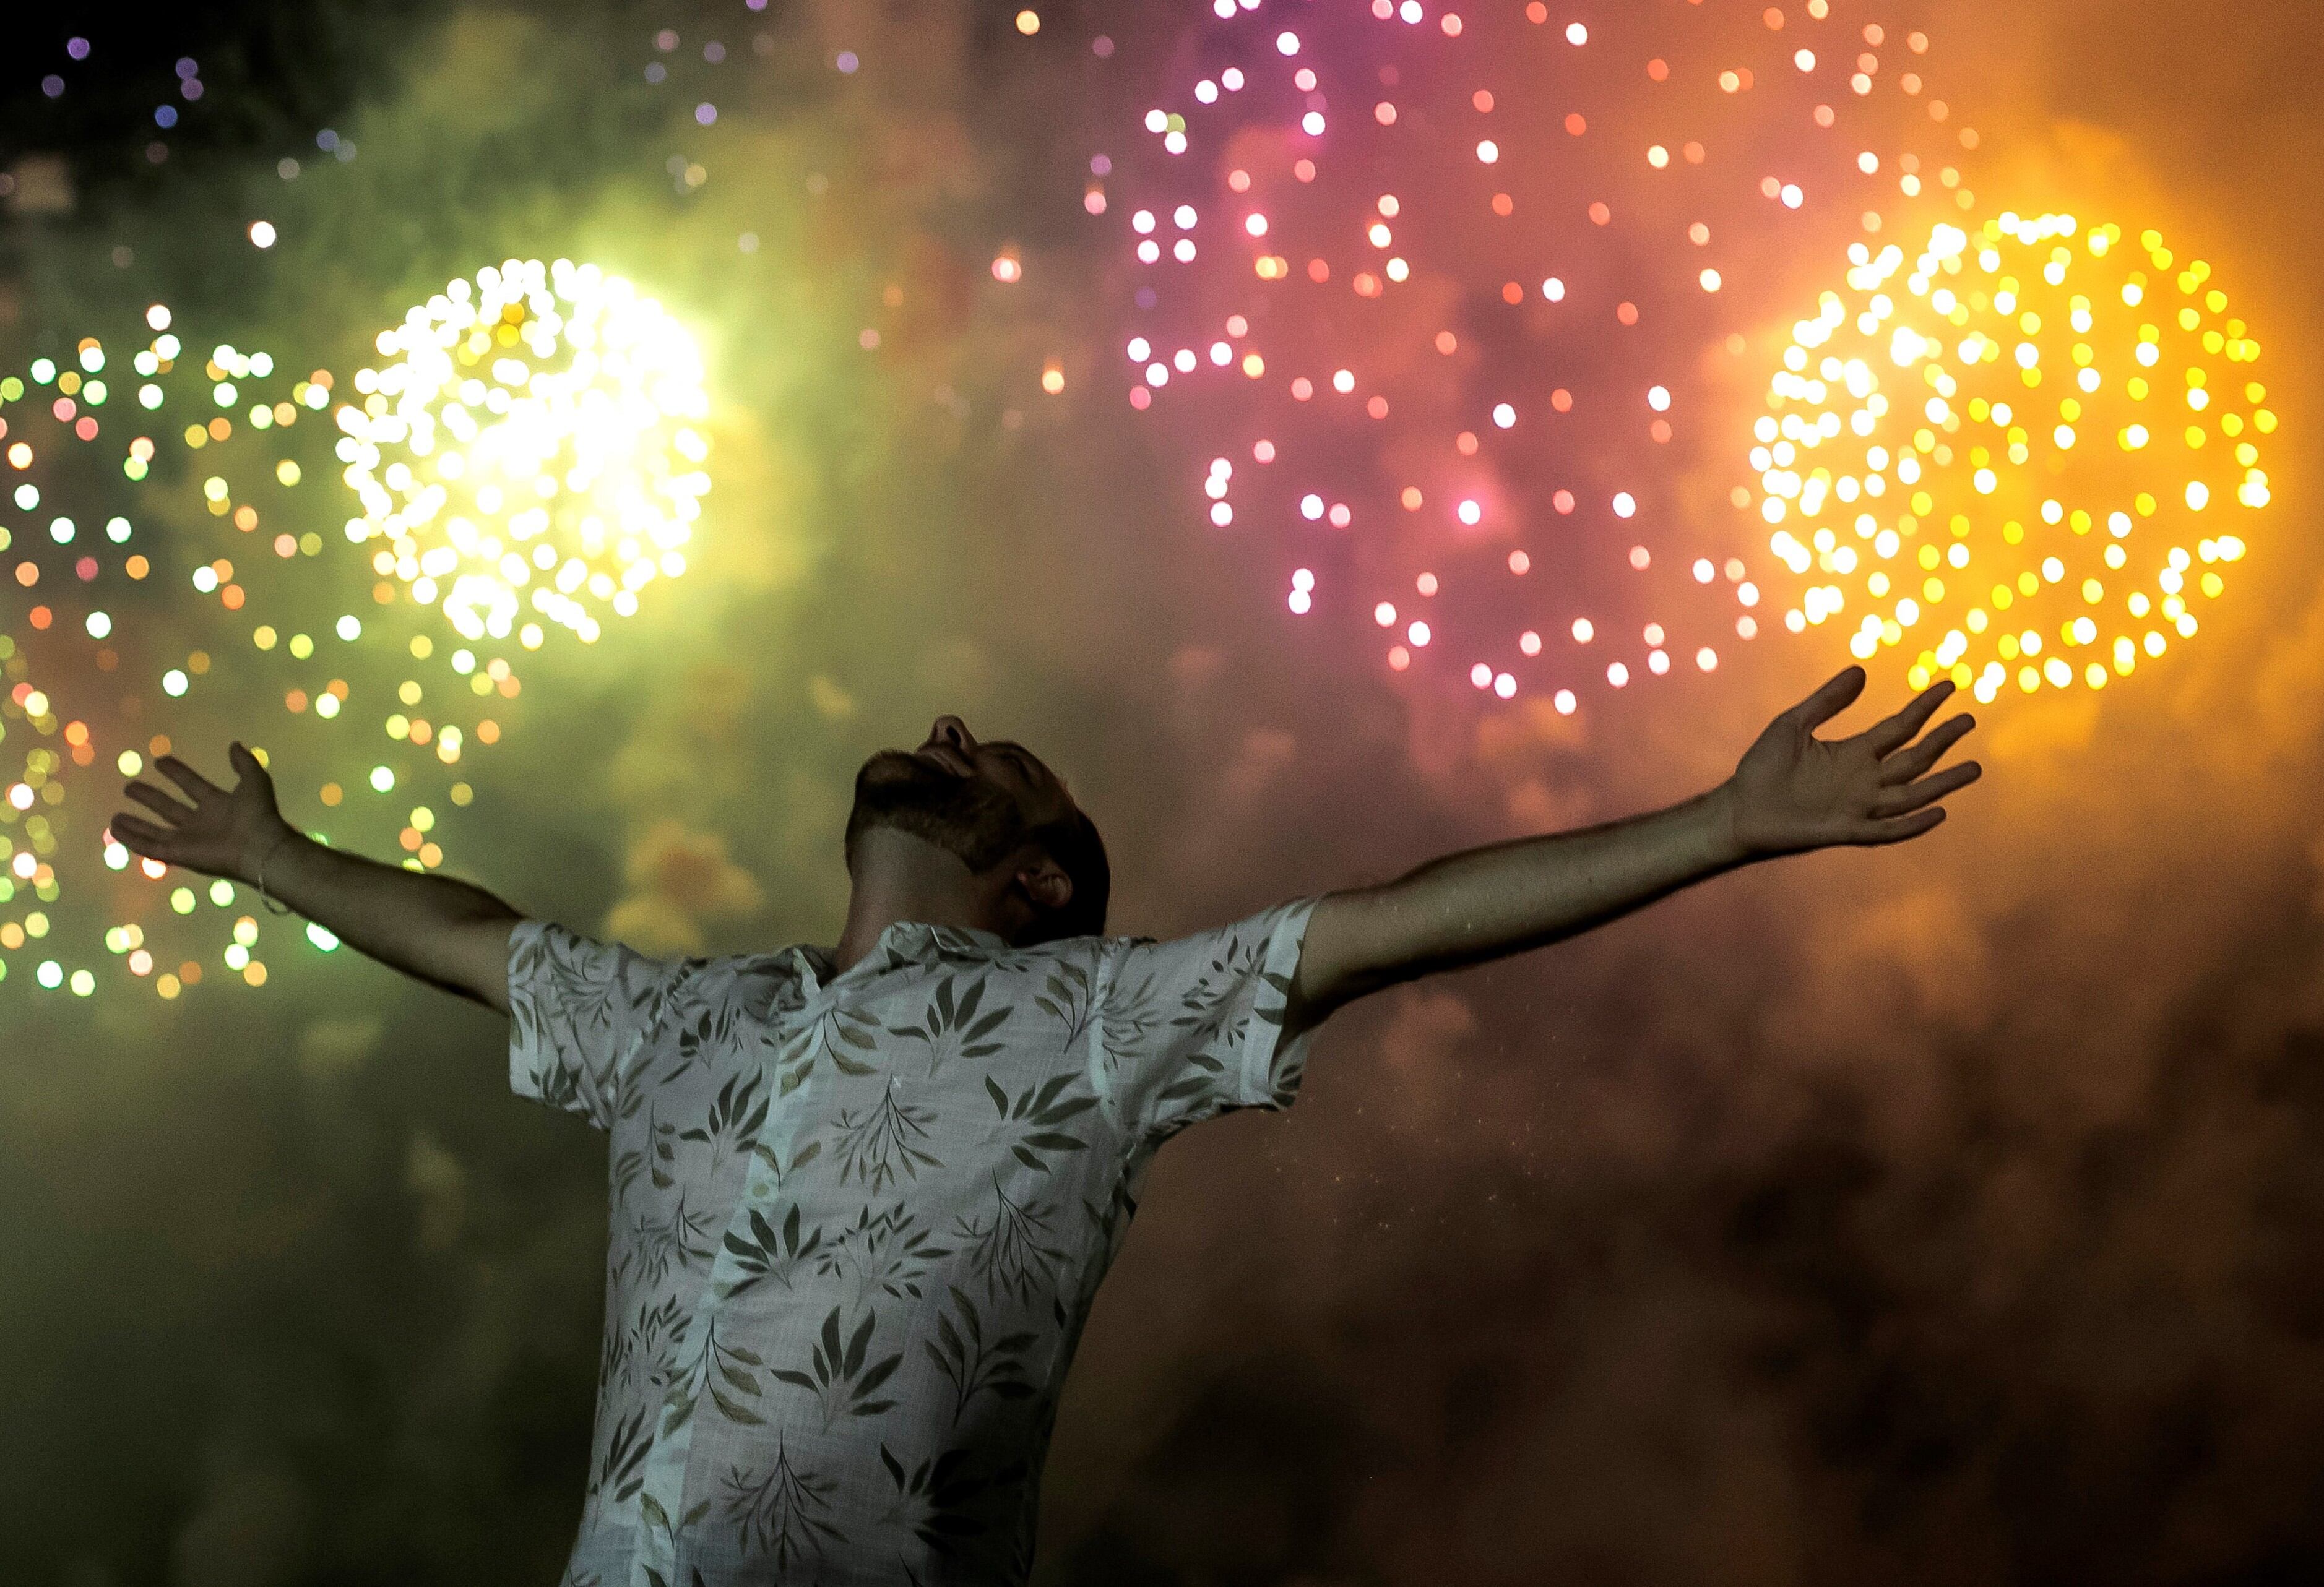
x=916 y=941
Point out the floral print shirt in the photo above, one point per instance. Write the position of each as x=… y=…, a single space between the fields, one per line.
x=858 y=1219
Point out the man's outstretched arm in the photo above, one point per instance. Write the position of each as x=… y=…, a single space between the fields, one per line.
x=1792 y=792
x=443 y=931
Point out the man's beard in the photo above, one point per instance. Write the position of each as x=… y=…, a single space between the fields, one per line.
x=965 y=816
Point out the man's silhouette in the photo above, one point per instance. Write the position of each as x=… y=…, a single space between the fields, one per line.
x=863 y=1195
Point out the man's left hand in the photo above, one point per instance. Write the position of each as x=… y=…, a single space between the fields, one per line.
x=1794 y=791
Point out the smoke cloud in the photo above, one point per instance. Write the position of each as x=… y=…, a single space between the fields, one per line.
x=1936 y=1215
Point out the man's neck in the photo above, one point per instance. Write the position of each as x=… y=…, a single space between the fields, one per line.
x=898 y=876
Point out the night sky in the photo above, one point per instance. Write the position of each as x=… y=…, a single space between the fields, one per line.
x=1946 y=1215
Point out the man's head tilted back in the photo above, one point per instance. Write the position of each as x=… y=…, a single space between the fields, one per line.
x=989 y=821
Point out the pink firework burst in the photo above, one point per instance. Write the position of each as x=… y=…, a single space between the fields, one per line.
x=1463 y=307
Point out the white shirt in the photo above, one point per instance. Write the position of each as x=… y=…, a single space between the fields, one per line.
x=858 y=1220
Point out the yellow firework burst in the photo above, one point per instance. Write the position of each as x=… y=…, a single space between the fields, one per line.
x=2016 y=456
x=533 y=445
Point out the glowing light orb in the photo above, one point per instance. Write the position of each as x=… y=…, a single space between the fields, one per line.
x=2022 y=456
x=531 y=447
x=1463 y=299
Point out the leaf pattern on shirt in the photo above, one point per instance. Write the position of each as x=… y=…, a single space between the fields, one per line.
x=561 y=1088
x=630 y=1162
x=844 y=1380
x=1201 y=1023
x=885 y=1252
x=1066 y=996
x=933 y=1497
x=843 y=1032
x=732 y=1120
x=651 y=1343
x=616 y=1470
x=783 y=1512
x=705 y=1022
x=882 y=1144
x=765 y=1252
x=951 y=1028
x=907 y=1179
x=736 y=1366
x=1033 y=1124
x=1008 y=1247
x=556 y=978
x=674 y=1239
x=778 y=1172
x=849 y=1039
x=663 y=1135
x=974 y=1364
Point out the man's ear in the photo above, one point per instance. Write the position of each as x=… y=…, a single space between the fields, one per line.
x=1046 y=882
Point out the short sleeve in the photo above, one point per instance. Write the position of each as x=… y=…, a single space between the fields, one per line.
x=1193 y=1027
x=582 y=1016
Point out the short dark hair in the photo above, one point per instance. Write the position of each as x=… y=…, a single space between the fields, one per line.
x=1072 y=841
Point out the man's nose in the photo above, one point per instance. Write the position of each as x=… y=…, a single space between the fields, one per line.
x=952 y=732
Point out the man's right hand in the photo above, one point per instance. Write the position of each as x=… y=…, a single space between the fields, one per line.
x=447 y=933
x=211 y=829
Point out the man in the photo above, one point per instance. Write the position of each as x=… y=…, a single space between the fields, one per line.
x=863 y=1195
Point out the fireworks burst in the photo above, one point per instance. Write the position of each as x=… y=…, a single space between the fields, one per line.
x=532 y=443
x=157 y=588
x=2020 y=445
x=1442 y=303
